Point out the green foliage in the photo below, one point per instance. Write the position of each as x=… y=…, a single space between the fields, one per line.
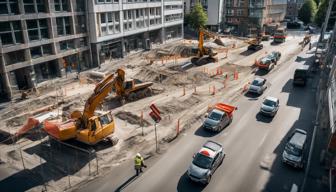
x=321 y=13
x=318 y=2
x=308 y=11
x=197 y=18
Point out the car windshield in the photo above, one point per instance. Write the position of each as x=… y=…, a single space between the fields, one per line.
x=269 y=103
x=293 y=150
x=202 y=161
x=215 y=116
x=256 y=83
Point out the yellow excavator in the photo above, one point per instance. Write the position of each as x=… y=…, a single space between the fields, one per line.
x=202 y=51
x=90 y=127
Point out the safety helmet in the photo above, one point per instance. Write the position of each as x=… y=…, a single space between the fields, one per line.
x=138 y=155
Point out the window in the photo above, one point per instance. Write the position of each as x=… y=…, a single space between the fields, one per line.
x=61 y=5
x=41 y=7
x=11 y=33
x=63 y=26
x=80 y=5
x=66 y=45
x=109 y=22
x=37 y=29
x=35 y=52
x=9 y=7
x=14 y=57
x=81 y=24
x=29 y=6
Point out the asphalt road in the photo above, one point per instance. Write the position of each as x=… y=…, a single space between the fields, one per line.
x=253 y=144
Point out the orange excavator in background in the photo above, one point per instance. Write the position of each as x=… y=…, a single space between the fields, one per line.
x=90 y=127
x=202 y=51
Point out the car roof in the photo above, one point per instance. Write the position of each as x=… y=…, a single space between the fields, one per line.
x=304 y=67
x=207 y=152
x=298 y=138
x=218 y=111
x=212 y=145
x=259 y=79
x=271 y=98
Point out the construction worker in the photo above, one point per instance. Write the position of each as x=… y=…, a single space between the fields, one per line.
x=139 y=163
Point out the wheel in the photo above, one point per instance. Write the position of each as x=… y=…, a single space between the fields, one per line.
x=132 y=96
x=147 y=92
x=208 y=180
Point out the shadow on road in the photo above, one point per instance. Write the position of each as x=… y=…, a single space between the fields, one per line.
x=261 y=72
x=126 y=183
x=186 y=185
x=263 y=118
x=247 y=52
x=252 y=96
x=205 y=133
x=283 y=176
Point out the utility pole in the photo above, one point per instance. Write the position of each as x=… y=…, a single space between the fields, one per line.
x=325 y=24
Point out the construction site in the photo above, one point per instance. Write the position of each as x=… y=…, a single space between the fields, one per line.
x=55 y=136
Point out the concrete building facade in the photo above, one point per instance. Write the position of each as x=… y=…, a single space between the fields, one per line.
x=237 y=15
x=39 y=40
x=121 y=26
x=292 y=9
x=215 y=10
x=265 y=14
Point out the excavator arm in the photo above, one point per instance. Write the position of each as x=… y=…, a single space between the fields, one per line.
x=101 y=90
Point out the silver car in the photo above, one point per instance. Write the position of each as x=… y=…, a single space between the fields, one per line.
x=270 y=106
x=293 y=153
x=258 y=86
x=205 y=162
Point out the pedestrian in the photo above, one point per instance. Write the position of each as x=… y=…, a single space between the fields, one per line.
x=139 y=163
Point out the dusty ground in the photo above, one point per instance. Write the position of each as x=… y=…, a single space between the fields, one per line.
x=181 y=95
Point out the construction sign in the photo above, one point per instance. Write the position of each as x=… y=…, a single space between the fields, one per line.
x=155 y=113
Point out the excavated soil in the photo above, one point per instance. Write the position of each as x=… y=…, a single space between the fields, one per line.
x=176 y=106
x=131 y=118
x=176 y=78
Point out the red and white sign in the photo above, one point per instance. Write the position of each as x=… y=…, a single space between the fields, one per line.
x=155 y=113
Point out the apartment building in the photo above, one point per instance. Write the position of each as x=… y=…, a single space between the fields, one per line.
x=293 y=7
x=40 y=40
x=237 y=15
x=121 y=26
x=213 y=8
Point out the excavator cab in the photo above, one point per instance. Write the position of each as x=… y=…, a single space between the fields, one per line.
x=99 y=127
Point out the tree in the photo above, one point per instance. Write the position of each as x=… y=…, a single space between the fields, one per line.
x=198 y=18
x=321 y=13
x=318 y=2
x=308 y=11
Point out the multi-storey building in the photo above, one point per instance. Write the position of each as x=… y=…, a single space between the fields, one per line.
x=213 y=8
x=293 y=7
x=265 y=12
x=39 y=39
x=237 y=15
x=120 y=26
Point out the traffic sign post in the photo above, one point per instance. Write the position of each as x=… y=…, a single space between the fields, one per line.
x=155 y=115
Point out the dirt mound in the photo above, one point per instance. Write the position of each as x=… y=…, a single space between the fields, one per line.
x=131 y=118
x=24 y=107
x=180 y=50
x=153 y=75
x=175 y=105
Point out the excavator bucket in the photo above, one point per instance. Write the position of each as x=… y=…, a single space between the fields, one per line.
x=61 y=131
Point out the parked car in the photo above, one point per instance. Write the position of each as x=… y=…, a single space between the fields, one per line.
x=258 y=86
x=270 y=106
x=301 y=76
x=293 y=153
x=205 y=162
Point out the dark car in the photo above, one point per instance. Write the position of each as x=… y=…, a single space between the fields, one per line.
x=205 y=162
x=301 y=76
